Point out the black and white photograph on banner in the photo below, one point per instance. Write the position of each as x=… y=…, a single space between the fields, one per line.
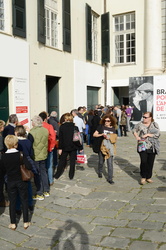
x=140 y=96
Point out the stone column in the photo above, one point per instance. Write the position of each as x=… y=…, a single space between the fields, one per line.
x=153 y=43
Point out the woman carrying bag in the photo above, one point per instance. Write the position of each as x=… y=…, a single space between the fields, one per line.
x=147 y=135
x=67 y=146
x=106 y=136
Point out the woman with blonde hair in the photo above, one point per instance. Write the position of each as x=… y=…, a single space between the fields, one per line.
x=11 y=162
x=67 y=146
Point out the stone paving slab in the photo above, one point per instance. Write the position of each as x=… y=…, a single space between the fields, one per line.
x=88 y=213
x=137 y=245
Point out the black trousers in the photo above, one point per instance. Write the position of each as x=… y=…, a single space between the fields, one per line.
x=63 y=161
x=146 y=165
x=123 y=130
x=2 y=181
x=21 y=188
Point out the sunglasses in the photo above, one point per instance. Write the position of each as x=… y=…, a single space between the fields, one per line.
x=107 y=120
x=145 y=117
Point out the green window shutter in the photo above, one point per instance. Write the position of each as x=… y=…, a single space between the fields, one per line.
x=66 y=26
x=19 y=18
x=105 y=38
x=88 y=33
x=41 y=21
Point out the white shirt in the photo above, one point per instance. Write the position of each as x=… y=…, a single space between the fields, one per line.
x=79 y=123
x=11 y=150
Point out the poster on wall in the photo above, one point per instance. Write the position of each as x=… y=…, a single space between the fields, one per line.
x=148 y=94
x=141 y=96
x=21 y=94
x=160 y=101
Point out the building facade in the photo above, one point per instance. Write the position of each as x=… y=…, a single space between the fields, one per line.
x=61 y=54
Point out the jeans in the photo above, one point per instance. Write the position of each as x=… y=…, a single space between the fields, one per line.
x=49 y=166
x=128 y=124
x=119 y=132
x=109 y=165
x=41 y=179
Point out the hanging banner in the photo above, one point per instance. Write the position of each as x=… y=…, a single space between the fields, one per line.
x=148 y=93
x=160 y=101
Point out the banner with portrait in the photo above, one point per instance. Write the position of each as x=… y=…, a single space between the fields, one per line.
x=148 y=93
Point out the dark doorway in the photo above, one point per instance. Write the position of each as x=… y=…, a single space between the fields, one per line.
x=92 y=97
x=4 y=102
x=125 y=100
x=52 y=85
x=116 y=95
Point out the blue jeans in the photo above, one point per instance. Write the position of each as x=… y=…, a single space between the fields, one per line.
x=41 y=179
x=49 y=166
x=109 y=165
x=119 y=132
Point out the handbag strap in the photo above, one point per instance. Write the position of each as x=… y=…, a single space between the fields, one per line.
x=21 y=158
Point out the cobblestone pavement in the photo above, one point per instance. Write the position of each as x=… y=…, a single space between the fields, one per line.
x=88 y=213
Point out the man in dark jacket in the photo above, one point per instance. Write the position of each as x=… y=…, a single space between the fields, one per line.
x=55 y=123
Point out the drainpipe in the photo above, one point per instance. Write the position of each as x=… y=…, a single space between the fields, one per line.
x=105 y=69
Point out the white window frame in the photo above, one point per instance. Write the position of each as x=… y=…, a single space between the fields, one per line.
x=124 y=38
x=94 y=37
x=51 y=23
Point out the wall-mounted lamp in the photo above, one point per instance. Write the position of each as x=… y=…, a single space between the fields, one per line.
x=102 y=81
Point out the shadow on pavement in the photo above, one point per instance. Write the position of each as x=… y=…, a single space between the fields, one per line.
x=65 y=237
x=162 y=177
x=127 y=167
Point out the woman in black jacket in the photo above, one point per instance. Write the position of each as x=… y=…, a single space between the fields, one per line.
x=11 y=162
x=67 y=146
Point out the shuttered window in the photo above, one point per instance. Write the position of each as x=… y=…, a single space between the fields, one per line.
x=19 y=18
x=88 y=33
x=41 y=21
x=2 y=15
x=105 y=38
x=66 y=26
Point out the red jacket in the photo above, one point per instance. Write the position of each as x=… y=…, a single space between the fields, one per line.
x=51 y=136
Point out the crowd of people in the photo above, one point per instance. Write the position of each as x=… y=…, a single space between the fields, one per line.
x=49 y=143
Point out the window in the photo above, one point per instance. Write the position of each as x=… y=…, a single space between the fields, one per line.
x=88 y=33
x=19 y=18
x=94 y=37
x=91 y=34
x=2 y=21
x=51 y=29
x=66 y=26
x=105 y=37
x=41 y=21
x=124 y=30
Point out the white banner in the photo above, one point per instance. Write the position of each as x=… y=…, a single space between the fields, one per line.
x=160 y=101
